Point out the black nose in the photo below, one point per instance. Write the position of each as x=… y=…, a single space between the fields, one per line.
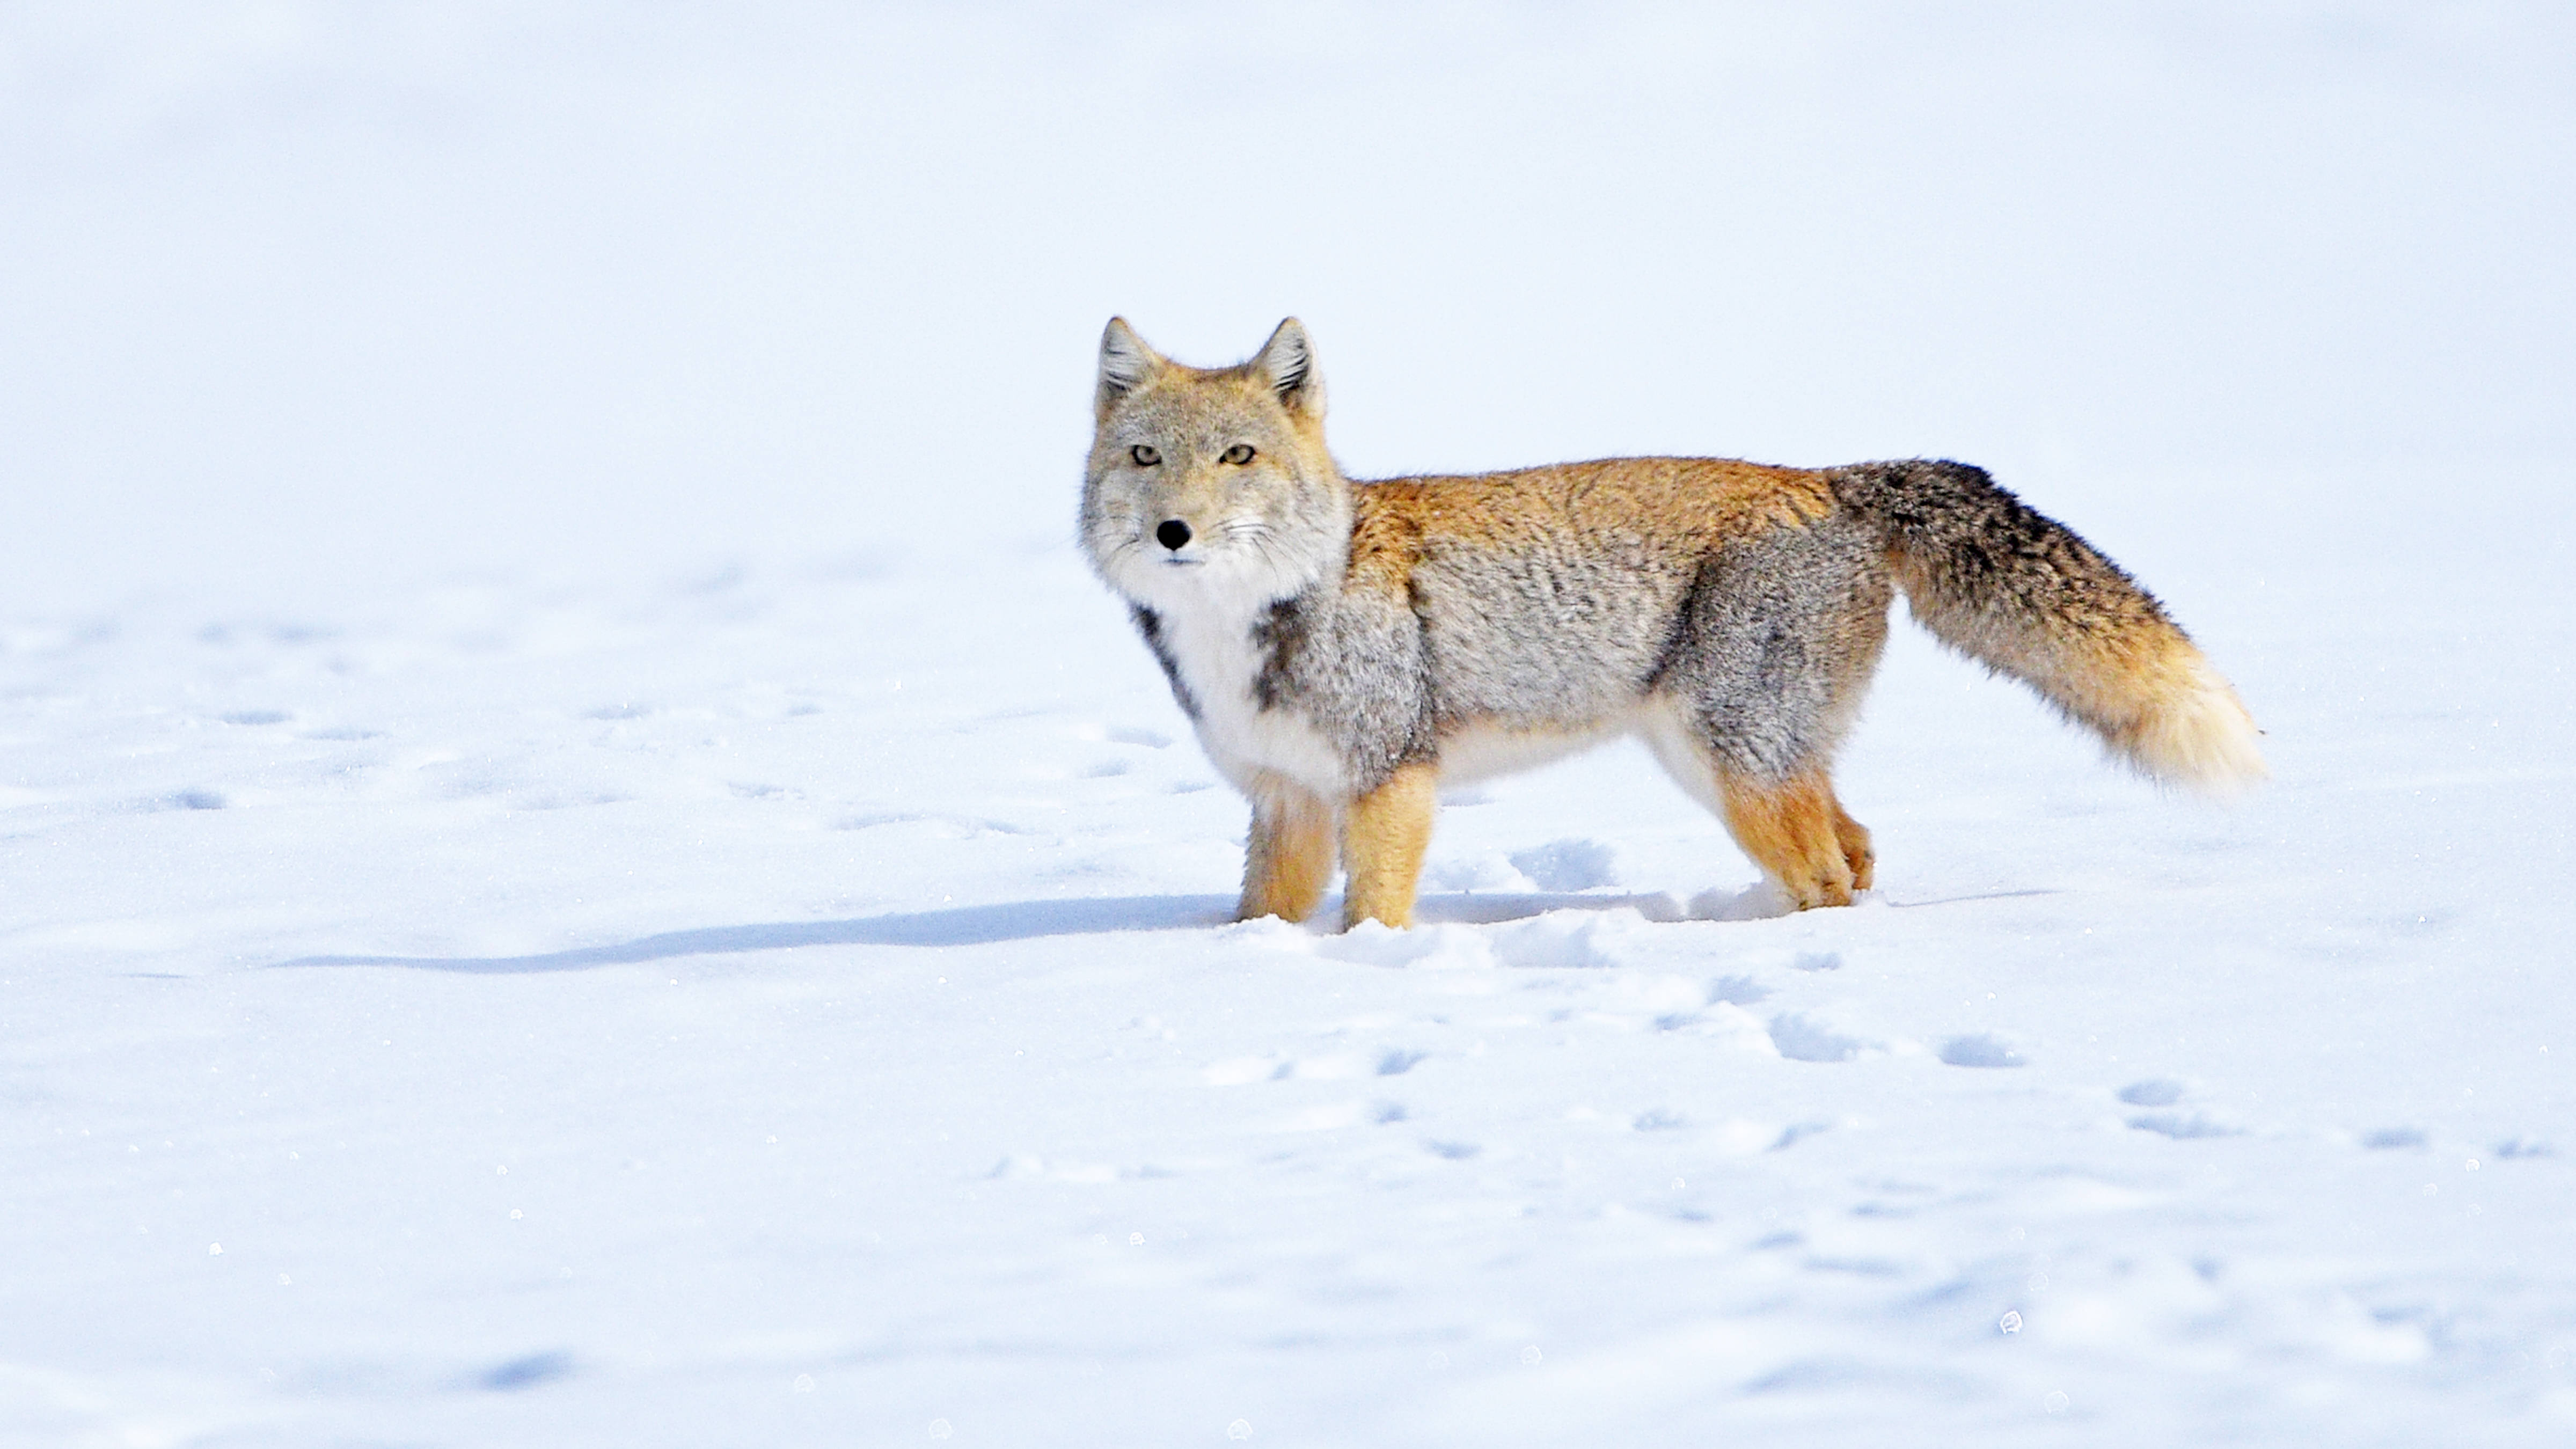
x=1172 y=534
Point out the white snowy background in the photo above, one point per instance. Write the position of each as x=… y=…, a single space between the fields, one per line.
x=582 y=863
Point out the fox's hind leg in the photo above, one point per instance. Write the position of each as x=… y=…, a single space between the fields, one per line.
x=1289 y=859
x=1383 y=841
x=1774 y=652
x=1792 y=826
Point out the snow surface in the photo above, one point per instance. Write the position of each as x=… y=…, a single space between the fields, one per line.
x=583 y=863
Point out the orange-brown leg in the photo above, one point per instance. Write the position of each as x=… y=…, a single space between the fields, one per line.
x=1797 y=832
x=1289 y=859
x=1384 y=836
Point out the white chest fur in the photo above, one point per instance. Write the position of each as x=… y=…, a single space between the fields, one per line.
x=1215 y=647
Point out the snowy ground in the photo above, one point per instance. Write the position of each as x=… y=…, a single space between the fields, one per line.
x=581 y=862
x=792 y=1007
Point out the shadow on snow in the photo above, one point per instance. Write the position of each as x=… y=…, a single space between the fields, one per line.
x=968 y=926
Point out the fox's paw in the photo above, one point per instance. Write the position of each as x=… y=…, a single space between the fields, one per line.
x=1854 y=840
x=1831 y=870
x=1398 y=914
x=1831 y=884
x=1801 y=837
x=1289 y=910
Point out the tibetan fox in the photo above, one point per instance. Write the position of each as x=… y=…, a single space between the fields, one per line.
x=1345 y=647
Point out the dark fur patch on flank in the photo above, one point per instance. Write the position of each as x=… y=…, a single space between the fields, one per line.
x=1279 y=635
x=1678 y=637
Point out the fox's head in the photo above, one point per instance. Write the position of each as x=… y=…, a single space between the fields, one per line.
x=1211 y=484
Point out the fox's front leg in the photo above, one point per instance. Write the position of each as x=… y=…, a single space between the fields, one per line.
x=1383 y=839
x=1289 y=858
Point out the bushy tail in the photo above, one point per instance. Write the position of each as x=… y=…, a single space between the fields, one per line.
x=2021 y=594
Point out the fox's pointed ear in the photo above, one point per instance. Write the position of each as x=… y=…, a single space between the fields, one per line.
x=1126 y=364
x=1287 y=363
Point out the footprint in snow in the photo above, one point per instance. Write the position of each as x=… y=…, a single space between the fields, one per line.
x=1568 y=865
x=1564 y=940
x=1454 y=1151
x=526 y=1373
x=2389 y=1139
x=2182 y=1127
x=1397 y=1062
x=2153 y=1092
x=1981 y=1050
x=1795 y=1132
x=1804 y=1039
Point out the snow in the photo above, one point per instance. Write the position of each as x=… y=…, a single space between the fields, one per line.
x=584 y=862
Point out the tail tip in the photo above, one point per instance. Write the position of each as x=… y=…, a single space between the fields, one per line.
x=2200 y=737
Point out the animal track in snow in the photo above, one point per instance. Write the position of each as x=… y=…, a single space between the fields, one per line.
x=1395 y=1062
x=2153 y=1092
x=1454 y=1151
x=2524 y=1147
x=1792 y=1134
x=1981 y=1050
x=2181 y=1127
x=1568 y=865
x=1485 y=872
x=1737 y=991
x=1565 y=939
x=1805 y=1039
x=527 y=1373
x=2388 y=1139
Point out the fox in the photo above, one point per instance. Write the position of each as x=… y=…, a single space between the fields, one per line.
x=1346 y=648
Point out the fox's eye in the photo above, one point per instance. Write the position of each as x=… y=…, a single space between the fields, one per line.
x=1144 y=455
x=1239 y=454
